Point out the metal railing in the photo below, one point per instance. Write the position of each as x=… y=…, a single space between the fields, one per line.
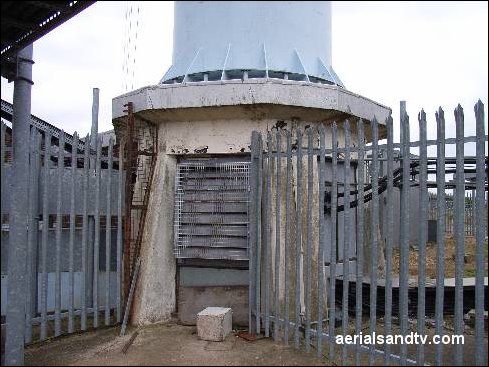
x=74 y=234
x=300 y=290
x=470 y=220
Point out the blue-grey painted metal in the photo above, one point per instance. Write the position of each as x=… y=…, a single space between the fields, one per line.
x=108 y=232
x=119 y=231
x=481 y=351
x=86 y=171
x=60 y=281
x=389 y=238
x=258 y=249
x=253 y=232
x=321 y=242
x=74 y=167
x=214 y=41
x=413 y=173
x=59 y=225
x=15 y=320
x=45 y=229
x=33 y=230
x=278 y=201
x=404 y=241
x=268 y=234
x=308 y=274
x=440 y=231
x=459 y=234
x=298 y=241
x=360 y=232
x=95 y=109
x=374 y=233
x=332 y=259
x=346 y=238
x=288 y=223
x=423 y=234
x=96 y=246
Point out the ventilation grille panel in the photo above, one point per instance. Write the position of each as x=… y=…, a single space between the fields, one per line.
x=211 y=210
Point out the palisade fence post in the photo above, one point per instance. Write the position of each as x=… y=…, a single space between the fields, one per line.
x=108 y=230
x=120 y=188
x=278 y=190
x=308 y=272
x=254 y=202
x=71 y=259
x=404 y=241
x=59 y=227
x=423 y=222
x=17 y=253
x=45 y=230
x=85 y=234
x=322 y=242
x=481 y=212
x=298 y=244
x=268 y=235
x=96 y=245
x=332 y=259
x=459 y=233
x=440 y=231
x=288 y=190
x=360 y=234
x=258 y=248
x=346 y=237
x=375 y=231
x=33 y=233
x=389 y=237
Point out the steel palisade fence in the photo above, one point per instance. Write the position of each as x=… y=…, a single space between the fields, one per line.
x=69 y=286
x=291 y=294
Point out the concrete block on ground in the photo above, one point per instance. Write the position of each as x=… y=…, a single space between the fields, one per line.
x=214 y=323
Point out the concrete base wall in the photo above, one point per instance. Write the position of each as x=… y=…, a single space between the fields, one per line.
x=192 y=300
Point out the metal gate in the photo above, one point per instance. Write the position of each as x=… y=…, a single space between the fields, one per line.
x=323 y=200
x=74 y=251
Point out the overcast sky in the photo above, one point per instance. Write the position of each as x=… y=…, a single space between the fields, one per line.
x=427 y=53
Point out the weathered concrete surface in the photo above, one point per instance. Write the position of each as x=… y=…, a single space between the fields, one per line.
x=250 y=92
x=192 y=300
x=214 y=323
x=154 y=299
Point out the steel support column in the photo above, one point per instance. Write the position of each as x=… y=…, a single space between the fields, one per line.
x=15 y=330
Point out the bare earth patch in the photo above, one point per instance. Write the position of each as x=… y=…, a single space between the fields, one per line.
x=450 y=247
x=167 y=345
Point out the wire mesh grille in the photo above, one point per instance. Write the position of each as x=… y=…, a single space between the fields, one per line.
x=211 y=210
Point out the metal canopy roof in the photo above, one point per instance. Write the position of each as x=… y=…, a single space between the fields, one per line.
x=24 y=22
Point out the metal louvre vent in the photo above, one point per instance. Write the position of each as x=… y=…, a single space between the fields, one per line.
x=211 y=209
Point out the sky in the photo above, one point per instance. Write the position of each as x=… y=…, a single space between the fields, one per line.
x=429 y=54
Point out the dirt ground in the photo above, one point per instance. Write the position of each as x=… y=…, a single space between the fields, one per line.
x=178 y=345
x=168 y=345
x=469 y=266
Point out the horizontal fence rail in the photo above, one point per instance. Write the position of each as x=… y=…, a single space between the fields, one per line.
x=76 y=196
x=351 y=237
